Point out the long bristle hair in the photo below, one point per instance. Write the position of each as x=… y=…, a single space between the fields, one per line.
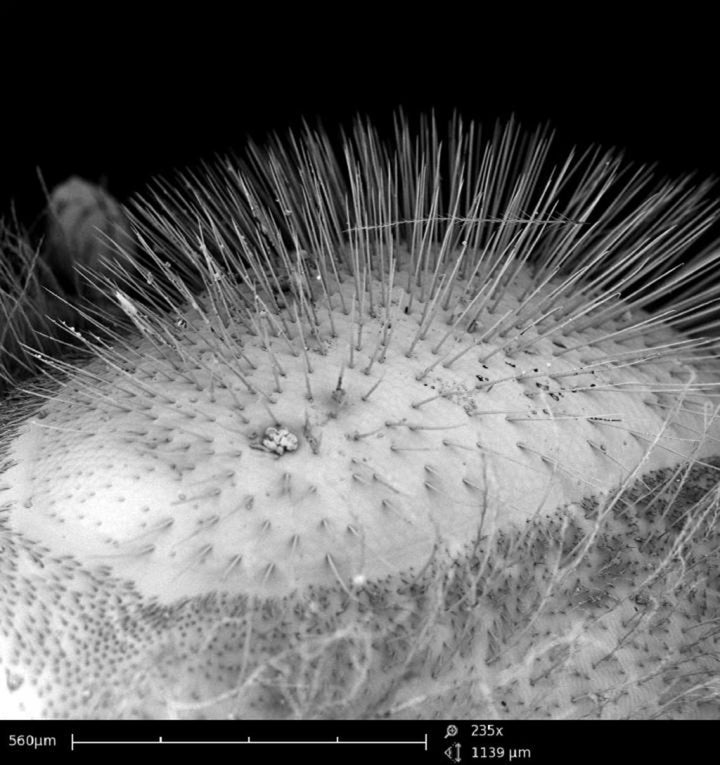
x=472 y=207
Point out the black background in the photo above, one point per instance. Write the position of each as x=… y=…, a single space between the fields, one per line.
x=122 y=91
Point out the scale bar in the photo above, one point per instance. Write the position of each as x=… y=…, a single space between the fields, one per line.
x=160 y=740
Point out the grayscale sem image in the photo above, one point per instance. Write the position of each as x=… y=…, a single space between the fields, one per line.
x=418 y=422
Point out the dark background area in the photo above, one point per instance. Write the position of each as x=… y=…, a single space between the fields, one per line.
x=124 y=91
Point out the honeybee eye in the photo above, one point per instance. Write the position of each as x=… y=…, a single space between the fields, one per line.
x=364 y=430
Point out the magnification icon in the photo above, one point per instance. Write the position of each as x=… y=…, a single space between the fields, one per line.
x=451 y=731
